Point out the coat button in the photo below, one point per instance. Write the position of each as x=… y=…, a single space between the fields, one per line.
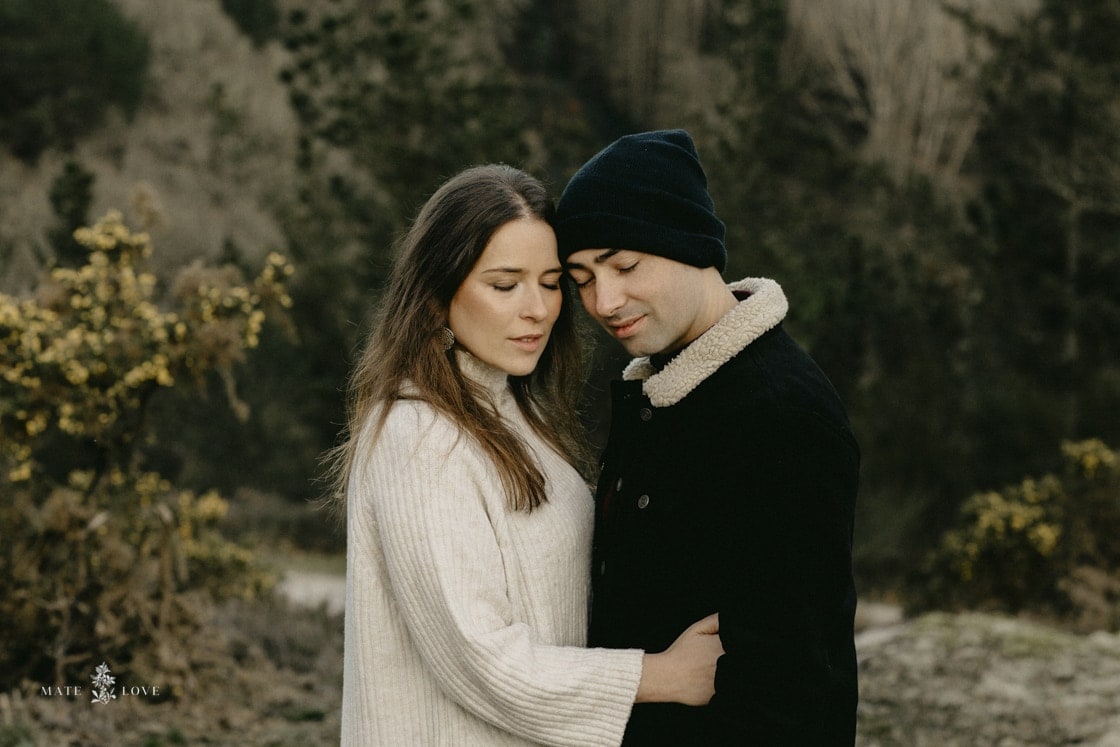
x=618 y=485
x=645 y=414
x=643 y=501
x=603 y=568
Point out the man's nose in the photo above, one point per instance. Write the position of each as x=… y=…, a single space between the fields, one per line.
x=609 y=297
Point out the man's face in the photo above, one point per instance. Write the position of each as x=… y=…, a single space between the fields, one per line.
x=648 y=303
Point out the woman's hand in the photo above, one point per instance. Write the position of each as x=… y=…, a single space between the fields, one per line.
x=686 y=671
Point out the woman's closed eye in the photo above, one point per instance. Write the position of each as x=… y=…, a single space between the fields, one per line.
x=552 y=285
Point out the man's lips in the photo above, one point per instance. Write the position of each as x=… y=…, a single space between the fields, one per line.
x=626 y=327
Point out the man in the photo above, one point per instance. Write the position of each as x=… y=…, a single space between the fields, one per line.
x=729 y=478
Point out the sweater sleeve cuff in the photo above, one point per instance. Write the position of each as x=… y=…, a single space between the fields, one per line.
x=611 y=701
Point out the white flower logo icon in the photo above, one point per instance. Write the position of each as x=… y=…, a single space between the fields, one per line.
x=103 y=685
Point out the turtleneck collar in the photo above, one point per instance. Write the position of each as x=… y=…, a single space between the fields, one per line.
x=494 y=380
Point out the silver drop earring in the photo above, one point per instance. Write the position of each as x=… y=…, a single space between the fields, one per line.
x=446 y=337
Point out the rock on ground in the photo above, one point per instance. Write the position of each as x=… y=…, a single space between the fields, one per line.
x=975 y=679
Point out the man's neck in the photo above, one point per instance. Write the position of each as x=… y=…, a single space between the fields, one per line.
x=718 y=301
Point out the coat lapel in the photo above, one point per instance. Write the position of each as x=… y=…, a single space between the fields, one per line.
x=755 y=315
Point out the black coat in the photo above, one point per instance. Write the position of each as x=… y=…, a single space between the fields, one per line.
x=734 y=492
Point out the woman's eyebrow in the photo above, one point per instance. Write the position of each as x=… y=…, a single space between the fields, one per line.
x=519 y=270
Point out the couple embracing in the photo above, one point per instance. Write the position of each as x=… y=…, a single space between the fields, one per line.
x=704 y=594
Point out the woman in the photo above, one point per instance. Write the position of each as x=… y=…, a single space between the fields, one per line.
x=468 y=524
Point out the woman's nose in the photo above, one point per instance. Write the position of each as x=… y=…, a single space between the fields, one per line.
x=535 y=306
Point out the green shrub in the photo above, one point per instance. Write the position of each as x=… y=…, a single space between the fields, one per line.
x=1049 y=545
x=102 y=557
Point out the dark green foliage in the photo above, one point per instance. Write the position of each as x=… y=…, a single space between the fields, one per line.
x=71 y=195
x=406 y=95
x=257 y=19
x=63 y=64
x=1048 y=154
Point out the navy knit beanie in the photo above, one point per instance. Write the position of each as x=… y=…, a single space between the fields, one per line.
x=647 y=193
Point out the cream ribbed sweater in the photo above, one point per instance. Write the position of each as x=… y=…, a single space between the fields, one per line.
x=465 y=621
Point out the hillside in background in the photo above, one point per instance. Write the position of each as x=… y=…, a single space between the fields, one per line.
x=951 y=261
x=208 y=158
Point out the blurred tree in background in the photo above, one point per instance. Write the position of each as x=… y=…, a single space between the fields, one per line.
x=71 y=194
x=1048 y=162
x=102 y=556
x=935 y=186
x=63 y=65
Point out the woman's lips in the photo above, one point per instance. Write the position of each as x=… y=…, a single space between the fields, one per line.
x=528 y=343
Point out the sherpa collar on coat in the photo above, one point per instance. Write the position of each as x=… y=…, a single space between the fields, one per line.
x=760 y=312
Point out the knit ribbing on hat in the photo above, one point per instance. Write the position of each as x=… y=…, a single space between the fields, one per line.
x=645 y=192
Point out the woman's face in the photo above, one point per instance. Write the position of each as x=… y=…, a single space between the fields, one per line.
x=505 y=308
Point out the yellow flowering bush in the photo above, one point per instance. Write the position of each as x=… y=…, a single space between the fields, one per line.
x=101 y=556
x=84 y=355
x=1028 y=546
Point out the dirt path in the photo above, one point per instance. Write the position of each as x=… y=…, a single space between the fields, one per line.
x=312 y=589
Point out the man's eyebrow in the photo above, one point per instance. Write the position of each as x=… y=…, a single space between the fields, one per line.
x=598 y=259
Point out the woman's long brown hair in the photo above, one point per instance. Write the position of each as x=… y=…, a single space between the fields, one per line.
x=403 y=357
